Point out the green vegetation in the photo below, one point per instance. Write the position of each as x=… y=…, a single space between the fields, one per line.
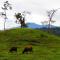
x=45 y=46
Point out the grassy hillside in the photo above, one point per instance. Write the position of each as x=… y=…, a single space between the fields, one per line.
x=45 y=46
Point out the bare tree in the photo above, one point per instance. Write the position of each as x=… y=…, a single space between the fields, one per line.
x=50 y=15
x=5 y=7
x=21 y=18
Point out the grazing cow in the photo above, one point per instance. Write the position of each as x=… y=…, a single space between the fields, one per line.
x=27 y=49
x=13 y=49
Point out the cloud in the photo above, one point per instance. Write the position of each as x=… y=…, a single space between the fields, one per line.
x=37 y=8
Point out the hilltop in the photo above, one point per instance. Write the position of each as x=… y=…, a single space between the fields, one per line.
x=45 y=46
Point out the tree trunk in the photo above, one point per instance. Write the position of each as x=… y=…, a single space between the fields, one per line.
x=4 y=24
x=49 y=26
x=5 y=19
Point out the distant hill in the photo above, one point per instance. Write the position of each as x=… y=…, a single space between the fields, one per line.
x=34 y=25
x=54 y=30
x=30 y=25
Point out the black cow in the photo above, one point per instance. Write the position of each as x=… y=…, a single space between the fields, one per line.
x=27 y=49
x=13 y=49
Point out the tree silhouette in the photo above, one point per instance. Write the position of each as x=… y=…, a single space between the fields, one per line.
x=21 y=18
x=5 y=7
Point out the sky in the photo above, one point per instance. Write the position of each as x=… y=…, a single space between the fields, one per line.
x=37 y=8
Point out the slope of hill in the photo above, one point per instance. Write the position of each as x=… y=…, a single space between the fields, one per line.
x=34 y=25
x=45 y=46
x=55 y=30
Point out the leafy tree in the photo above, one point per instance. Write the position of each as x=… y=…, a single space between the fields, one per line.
x=21 y=18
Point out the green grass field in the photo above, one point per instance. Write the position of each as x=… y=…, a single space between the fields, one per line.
x=45 y=46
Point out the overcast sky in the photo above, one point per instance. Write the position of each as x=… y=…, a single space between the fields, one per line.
x=37 y=8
